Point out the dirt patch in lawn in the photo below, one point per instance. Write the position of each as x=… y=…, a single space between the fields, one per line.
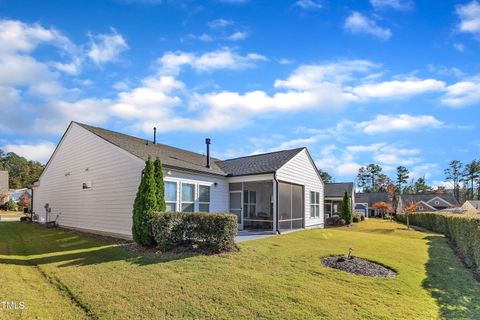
x=358 y=266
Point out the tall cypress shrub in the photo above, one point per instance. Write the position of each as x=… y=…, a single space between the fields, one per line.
x=160 y=185
x=145 y=206
x=346 y=212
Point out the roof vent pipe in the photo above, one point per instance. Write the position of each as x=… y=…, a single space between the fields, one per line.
x=207 y=142
x=154 y=135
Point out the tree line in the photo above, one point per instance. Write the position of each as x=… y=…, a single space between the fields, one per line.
x=22 y=172
x=464 y=178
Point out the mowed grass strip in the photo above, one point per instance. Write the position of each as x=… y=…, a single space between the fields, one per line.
x=273 y=278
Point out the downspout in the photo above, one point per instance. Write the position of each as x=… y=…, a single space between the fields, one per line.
x=276 y=204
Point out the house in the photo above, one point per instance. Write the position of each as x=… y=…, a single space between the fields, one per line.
x=16 y=194
x=427 y=202
x=334 y=193
x=91 y=180
x=3 y=187
x=472 y=206
x=364 y=202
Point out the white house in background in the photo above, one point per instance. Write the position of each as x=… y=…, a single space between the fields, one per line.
x=472 y=206
x=91 y=180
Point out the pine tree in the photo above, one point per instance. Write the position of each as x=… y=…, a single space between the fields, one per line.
x=346 y=212
x=145 y=206
x=160 y=185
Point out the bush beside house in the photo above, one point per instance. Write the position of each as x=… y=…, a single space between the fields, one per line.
x=212 y=231
x=464 y=231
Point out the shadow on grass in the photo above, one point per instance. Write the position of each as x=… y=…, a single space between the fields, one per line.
x=35 y=245
x=451 y=284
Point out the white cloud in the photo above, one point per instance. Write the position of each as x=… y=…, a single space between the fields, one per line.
x=40 y=152
x=308 y=4
x=462 y=94
x=459 y=46
x=368 y=148
x=225 y=58
x=220 y=23
x=393 y=4
x=469 y=15
x=237 y=36
x=401 y=122
x=392 y=89
x=106 y=48
x=395 y=156
x=357 y=23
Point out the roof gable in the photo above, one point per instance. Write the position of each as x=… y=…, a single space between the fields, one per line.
x=338 y=189
x=258 y=164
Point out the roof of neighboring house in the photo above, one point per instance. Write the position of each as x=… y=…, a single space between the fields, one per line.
x=170 y=156
x=450 y=198
x=337 y=189
x=184 y=159
x=475 y=203
x=371 y=197
x=258 y=164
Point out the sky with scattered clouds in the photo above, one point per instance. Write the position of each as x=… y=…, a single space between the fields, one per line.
x=394 y=82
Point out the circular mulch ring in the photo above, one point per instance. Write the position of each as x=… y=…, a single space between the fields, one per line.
x=358 y=266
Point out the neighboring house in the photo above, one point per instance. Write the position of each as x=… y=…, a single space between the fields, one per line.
x=3 y=187
x=16 y=194
x=364 y=202
x=472 y=206
x=91 y=180
x=427 y=202
x=334 y=193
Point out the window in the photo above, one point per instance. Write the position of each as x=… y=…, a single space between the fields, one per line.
x=437 y=202
x=171 y=196
x=249 y=203
x=204 y=198
x=420 y=208
x=314 y=204
x=188 y=197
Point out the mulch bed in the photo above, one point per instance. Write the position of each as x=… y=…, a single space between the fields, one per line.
x=358 y=266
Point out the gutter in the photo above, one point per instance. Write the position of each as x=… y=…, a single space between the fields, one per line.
x=277 y=230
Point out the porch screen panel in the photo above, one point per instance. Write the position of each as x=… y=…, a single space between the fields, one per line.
x=236 y=204
x=290 y=206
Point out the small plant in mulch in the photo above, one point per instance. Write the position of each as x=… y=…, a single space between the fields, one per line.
x=358 y=266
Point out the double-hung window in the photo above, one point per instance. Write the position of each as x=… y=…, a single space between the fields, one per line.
x=188 y=197
x=203 y=198
x=171 y=196
x=314 y=204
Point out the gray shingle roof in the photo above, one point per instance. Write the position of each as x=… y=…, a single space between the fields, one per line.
x=427 y=197
x=170 y=156
x=182 y=159
x=258 y=164
x=371 y=198
x=337 y=189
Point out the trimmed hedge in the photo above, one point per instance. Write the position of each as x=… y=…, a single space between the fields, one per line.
x=214 y=231
x=463 y=230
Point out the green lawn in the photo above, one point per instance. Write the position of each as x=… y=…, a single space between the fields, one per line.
x=63 y=275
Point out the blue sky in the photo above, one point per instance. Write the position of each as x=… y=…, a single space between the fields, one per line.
x=393 y=82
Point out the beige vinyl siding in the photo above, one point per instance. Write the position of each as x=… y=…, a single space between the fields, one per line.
x=113 y=172
x=300 y=170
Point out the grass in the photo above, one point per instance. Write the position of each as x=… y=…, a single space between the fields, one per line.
x=11 y=214
x=62 y=274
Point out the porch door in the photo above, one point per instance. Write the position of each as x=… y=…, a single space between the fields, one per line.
x=236 y=206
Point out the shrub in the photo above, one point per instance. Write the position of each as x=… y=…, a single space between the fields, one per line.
x=346 y=212
x=145 y=206
x=464 y=231
x=355 y=219
x=342 y=222
x=11 y=205
x=362 y=217
x=333 y=220
x=214 y=231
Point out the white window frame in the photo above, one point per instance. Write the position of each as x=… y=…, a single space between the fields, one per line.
x=315 y=204
x=176 y=194
x=188 y=202
x=209 y=196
